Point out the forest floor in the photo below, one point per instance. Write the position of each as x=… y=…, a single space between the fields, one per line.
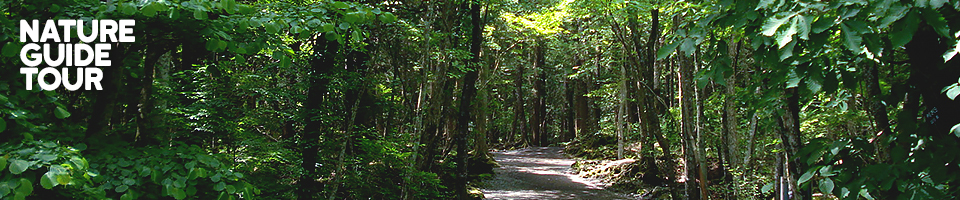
x=540 y=173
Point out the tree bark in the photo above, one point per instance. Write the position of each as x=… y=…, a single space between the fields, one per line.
x=730 y=121
x=876 y=108
x=621 y=111
x=570 y=131
x=145 y=120
x=537 y=122
x=467 y=95
x=791 y=137
x=107 y=98
x=687 y=128
x=519 y=114
x=323 y=62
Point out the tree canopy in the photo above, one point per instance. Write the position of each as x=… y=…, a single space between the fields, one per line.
x=367 y=99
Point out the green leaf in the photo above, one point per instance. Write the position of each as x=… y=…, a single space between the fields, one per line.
x=48 y=157
x=952 y=91
x=3 y=163
x=127 y=196
x=788 y=51
x=121 y=188
x=826 y=171
x=813 y=86
x=771 y=26
x=149 y=10
x=11 y=49
x=4 y=189
x=224 y=196
x=866 y=194
x=79 y=162
x=220 y=186
x=26 y=187
x=904 y=29
x=356 y=36
x=246 y=9
x=331 y=36
x=231 y=189
x=764 y=4
x=822 y=24
x=896 y=12
x=805 y=177
x=179 y=194
x=946 y=56
x=851 y=39
x=64 y=179
x=955 y=130
x=129 y=181
x=326 y=27
x=767 y=187
x=212 y=44
x=344 y=26
x=61 y=113
x=688 y=46
x=666 y=50
x=221 y=45
x=216 y=177
x=3 y=126
x=174 y=14
x=826 y=186
x=18 y=166
x=128 y=9
x=936 y=4
x=271 y=28
x=787 y=36
x=793 y=80
x=937 y=22
x=388 y=18
x=199 y=14
x=803 y=26
x=340 y=5
x=48 y=180
x=229 y=6
x=351 y=17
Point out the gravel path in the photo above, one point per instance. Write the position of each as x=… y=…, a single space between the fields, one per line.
x=540 y=173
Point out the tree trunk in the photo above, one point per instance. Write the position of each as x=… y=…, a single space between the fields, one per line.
x=700 y=147
x=537 y=122
x=751 y=141
x=322 y=63
x=582 y=104
x=730 y=122
x=145 y=120
x=790 y=123
x=570 y=131
x=621 y=111
x=872 y=94
x=687 y=128
x=467 y=95
x=519 y=114
x=106 y=103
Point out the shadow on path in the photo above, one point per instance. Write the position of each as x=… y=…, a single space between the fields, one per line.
x=540 y=173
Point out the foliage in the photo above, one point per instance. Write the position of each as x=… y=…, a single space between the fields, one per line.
x=26 y=164
x=181 y=172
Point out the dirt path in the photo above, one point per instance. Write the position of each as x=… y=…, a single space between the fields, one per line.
x=540 y=173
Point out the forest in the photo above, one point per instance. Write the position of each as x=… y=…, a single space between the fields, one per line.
x=406 y=99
